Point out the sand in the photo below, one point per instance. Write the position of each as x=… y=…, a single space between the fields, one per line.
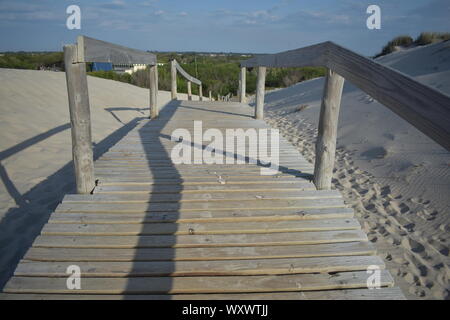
x=396 y=178
x=35 y=147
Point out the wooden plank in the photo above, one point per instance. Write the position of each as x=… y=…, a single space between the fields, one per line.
x=229 y=284
x=192 y=254
x=147 y=189
x=119 y=269
x=200 y=206
x=199 y=241
x=203 y=216
x=204 y=196
x=93 y=50
x=385 y=293
x=199 y=228
x=327 y=131
x=209 y=180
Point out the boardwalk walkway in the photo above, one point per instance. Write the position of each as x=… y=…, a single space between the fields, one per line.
x=158 y=230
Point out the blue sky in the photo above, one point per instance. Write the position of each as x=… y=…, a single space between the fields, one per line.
x=262 y=26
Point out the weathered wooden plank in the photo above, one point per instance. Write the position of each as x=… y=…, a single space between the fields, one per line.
x=118 y=269
x=197 y=241
x=191 y=254
x=199 y=228
x=240 y=215
x=385 y=293
x=208 y=180
x=93 y=50
x=147 y=189
x=229 y=284
x=204 y=196
x=200 y=206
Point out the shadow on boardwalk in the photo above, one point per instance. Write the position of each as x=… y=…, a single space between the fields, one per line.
x=23 y=223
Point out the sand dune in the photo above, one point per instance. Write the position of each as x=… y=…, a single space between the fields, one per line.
x=35 y=144
x=396 y=178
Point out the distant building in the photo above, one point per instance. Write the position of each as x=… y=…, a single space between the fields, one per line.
x=102 y=66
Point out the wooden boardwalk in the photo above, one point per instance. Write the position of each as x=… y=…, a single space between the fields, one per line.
x=153 y=229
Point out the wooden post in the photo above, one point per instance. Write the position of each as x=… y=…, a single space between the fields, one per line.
x=326 y=139
x=173 y=77
x=260 y=87
x=200 y=92
x=153 y=92
x=242 y=88
x=189 y=88
x=80 y=119
x=210 y=95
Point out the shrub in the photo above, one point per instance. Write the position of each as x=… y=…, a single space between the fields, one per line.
x=400 y=41
x=430 y=37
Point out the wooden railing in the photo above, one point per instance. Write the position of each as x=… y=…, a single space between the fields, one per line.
x=75 y=58
x=175 y=67
x=424 y=107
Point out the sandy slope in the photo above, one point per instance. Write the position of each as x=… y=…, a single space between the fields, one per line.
x=396 y=178
x=35 y=147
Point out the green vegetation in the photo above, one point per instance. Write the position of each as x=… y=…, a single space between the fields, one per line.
x=32 y=60
x=219 y=74
x=405 y=41
x=431 y=37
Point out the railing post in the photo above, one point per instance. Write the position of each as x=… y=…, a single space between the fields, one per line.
x=153 y=92
x=200 y=92
x=242 y=89
x=260 y=87
x=210 y=95
x=327 y=131
x=189 y=89
x=80 y=119
x=173 y=77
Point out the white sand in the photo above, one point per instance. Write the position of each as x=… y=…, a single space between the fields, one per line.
x=396 y=178
x=35 y=147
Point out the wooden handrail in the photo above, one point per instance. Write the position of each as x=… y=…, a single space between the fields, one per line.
x=175 y=67
x=93 y=50
x=75 y=59
x=424 y=107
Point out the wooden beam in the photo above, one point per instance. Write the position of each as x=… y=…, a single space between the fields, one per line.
x=260 y=87
x=326 y=139
x=200 y=93
x=153 y=92
x=173 y=79
x=242 y=85
x=189 y=90
x=77 y=91
x=186 y=75
x=424 y=107
x=303 y=57
x=93 y=50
